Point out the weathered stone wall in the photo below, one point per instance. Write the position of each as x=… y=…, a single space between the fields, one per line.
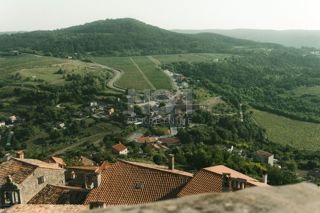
x=293 y=198
x=30 y=186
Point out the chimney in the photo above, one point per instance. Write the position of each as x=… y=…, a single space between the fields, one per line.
x=20 y=154
x=97 y=180
x=9 y=179
x=171 y=162
x=265 y=177
x=72 y=175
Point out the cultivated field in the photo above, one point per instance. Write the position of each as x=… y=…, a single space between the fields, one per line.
x=32 y=69
x=299 y=134
x=143 y=72
x=190 y=57
x=139 y=72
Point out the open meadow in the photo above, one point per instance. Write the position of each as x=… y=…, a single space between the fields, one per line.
x=299 y=134
x=32 y=69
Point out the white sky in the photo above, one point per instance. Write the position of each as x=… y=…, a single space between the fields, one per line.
x=23 y=15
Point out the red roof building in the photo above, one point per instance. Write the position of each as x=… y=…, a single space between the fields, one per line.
x=128 y=183
x=120 y=149
x=218 y=179
x=57 y=160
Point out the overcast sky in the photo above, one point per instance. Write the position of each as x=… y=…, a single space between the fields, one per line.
x=25 y=15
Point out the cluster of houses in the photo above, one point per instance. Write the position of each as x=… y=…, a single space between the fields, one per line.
x=99 y=110
x=155 y=143
x=161 y=108
x=53 y=184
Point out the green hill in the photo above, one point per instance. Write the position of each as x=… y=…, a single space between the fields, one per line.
x=117 y=37
x=292 y=38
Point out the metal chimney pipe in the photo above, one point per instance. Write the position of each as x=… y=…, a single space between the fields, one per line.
x=171 y=162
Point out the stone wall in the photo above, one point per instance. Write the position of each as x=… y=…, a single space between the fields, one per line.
x=293 y=198
x=30 y=186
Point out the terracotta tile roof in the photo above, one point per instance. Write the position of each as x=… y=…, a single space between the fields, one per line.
x=210 y=180
x=87 y=168
x=52 y=194
x=127 y=183
x=203 y=182
x=105 y=165
x=158 y=146
x=26 y=208
x=18 y=170
x=263 y=153
x=159 y=167
x=119 y=147
x=220 y=169
x=20 y=152
x=58 y=160
x=147 y=140
x=38 y=163
x=172 y=140
x=86 y=161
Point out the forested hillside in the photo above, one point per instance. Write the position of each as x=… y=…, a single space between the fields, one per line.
x=117 y=37
x=292 y=38
x=268 y=80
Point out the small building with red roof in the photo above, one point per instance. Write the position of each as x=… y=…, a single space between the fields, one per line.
x=120 y=149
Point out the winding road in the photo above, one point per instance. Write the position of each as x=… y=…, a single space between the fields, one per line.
x=116 y=76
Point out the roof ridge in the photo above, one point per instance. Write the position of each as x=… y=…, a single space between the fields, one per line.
x=249 y=178
x=175 y=172
x=21 y=161
x=26 y=161
x=68 y=187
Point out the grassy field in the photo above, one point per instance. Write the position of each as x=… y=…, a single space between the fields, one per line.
x=32 y=68
x=299 y=134
x=145 y=76
x=306 y=91
x=142 y=72
x=190 y=57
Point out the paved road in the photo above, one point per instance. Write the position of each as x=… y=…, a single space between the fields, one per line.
x=116 y=76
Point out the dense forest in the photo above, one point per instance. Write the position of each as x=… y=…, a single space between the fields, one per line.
x=117 y=37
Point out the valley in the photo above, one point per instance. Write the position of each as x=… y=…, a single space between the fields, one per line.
x=75 y=99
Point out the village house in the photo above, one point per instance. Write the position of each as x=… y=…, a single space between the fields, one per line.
x=264 y=157
x=56 y=194
x=13 y=118
x=120 y=149
x=158 y=147
x=21 y=179
x=146 y=140
x=218 y=179
x=110 y=111
x=129 y=183
x=84 y=176
x=57 y=160
x=86 y=161
x=169 y=141
x=80 y=176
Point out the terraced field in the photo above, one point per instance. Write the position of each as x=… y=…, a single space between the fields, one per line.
x=299 y=134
